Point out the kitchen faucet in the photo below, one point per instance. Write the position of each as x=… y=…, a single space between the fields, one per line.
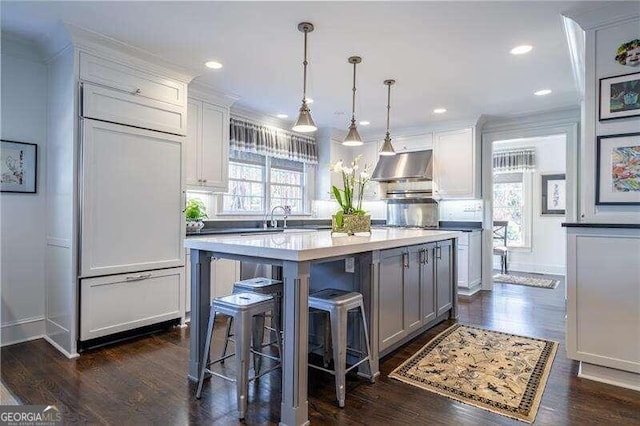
x=274 y=222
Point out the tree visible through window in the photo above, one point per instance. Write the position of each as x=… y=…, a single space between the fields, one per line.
x=509 y=203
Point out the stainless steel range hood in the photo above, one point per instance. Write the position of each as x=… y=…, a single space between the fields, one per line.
x=407 y=166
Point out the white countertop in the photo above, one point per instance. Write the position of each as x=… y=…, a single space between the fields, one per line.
x=304 y=246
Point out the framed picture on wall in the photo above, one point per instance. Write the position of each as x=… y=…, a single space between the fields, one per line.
x=618 y=169
x=554 y=194
x=18 y=167
x=620 y=96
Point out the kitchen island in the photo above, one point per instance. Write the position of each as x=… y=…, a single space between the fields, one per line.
x=407 y=278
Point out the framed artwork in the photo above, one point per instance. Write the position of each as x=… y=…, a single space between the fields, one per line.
x=554 y=194
x=618 y=169
x=18 y=167
x=620 y=96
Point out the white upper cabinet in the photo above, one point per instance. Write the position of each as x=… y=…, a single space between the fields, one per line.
x=122 y=94
x=207 y=147
x=456 y=164
x=413 y=143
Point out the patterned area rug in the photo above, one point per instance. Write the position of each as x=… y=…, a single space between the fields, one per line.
x=499 y=372
x=526 y=280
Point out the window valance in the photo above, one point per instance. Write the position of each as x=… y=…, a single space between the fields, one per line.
x=516 y=160
x=252 y=137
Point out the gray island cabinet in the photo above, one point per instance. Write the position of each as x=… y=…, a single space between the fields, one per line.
x=406 y=276
x=415 y=290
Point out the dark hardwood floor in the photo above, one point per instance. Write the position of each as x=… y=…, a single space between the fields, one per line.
x=144 y=381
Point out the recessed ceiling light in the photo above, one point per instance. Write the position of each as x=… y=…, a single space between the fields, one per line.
x=309 y=100
x=365 y=123
x=282 y=115
x=521 y=50
x=542 y=92
x=439 y=110
x=213 y=65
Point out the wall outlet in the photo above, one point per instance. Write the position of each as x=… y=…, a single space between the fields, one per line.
x=350 y=265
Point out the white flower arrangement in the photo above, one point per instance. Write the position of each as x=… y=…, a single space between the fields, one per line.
x=350 y=196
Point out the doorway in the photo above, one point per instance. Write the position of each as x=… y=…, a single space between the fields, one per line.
x=533 y=199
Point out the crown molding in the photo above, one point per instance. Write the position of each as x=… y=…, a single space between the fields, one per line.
x=207 y=93
x=67 y=34
x=614 y=13
x=549 y=118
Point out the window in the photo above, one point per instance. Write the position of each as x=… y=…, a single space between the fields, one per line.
x=512 y=203
x=257 y=181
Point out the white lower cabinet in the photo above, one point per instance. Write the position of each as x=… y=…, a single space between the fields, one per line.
x=224 y=273
x=116 y=303
x=469 y=263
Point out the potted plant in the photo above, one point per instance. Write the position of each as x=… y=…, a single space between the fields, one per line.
x=351 y=218
x=195 y=213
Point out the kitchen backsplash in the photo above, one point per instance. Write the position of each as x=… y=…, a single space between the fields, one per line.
x=461 y=210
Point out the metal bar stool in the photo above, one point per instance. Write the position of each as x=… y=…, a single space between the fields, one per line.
x=337 y=304
x=264 y=286
x=242 y=307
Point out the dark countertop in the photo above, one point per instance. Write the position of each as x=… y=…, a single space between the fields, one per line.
x=601 y=225
x=460 y=226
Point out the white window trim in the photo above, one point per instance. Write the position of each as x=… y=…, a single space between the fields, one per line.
x=308 y=191
x=527 y=215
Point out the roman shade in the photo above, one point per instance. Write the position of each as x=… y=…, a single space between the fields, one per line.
x=515 y=160
x=247 y=136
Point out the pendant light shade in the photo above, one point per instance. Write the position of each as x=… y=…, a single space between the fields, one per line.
x=304 y=123
x=353 y=137
x=387 y=147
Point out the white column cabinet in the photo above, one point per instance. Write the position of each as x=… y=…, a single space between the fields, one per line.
x=456 y=164
x=207 y=146
x=469 y=263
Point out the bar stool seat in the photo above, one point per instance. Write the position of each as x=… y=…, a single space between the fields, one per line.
x=265 y=286
x=242 y=307
x=337 y=304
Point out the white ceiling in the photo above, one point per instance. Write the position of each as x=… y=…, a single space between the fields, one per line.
x=442 y=54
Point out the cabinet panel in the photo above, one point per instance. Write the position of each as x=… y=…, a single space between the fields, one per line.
x=214 y=158
x=455 y=165
x=427 y=284
x=412 y=305
x=475 y=258
x=133 y=110
x=131 y=80
x=192 y=143
x=413 y=143
x=463 y=266
x=391 y=301
x=128 y=176
x=444 y=275
x=118 y=303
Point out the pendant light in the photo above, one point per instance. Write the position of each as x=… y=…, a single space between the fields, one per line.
x=353 y=138
x=305 y=123
x=387 y=147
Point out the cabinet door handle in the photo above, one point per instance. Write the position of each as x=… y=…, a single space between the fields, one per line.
x=426 y=256
x=204 y=180
x=421 y=257
x=405 y=260
x=138 y=277
x=137 y=92
x=439 y=252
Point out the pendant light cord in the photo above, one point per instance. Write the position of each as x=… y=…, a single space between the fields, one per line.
x=353 y=99
x=388 y=106
x=304 y=63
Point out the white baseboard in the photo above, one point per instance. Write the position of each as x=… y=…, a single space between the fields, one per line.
x=611 y=376
x=534 y=268
x=463 y=291
x=60 y=348
x=22 y=330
